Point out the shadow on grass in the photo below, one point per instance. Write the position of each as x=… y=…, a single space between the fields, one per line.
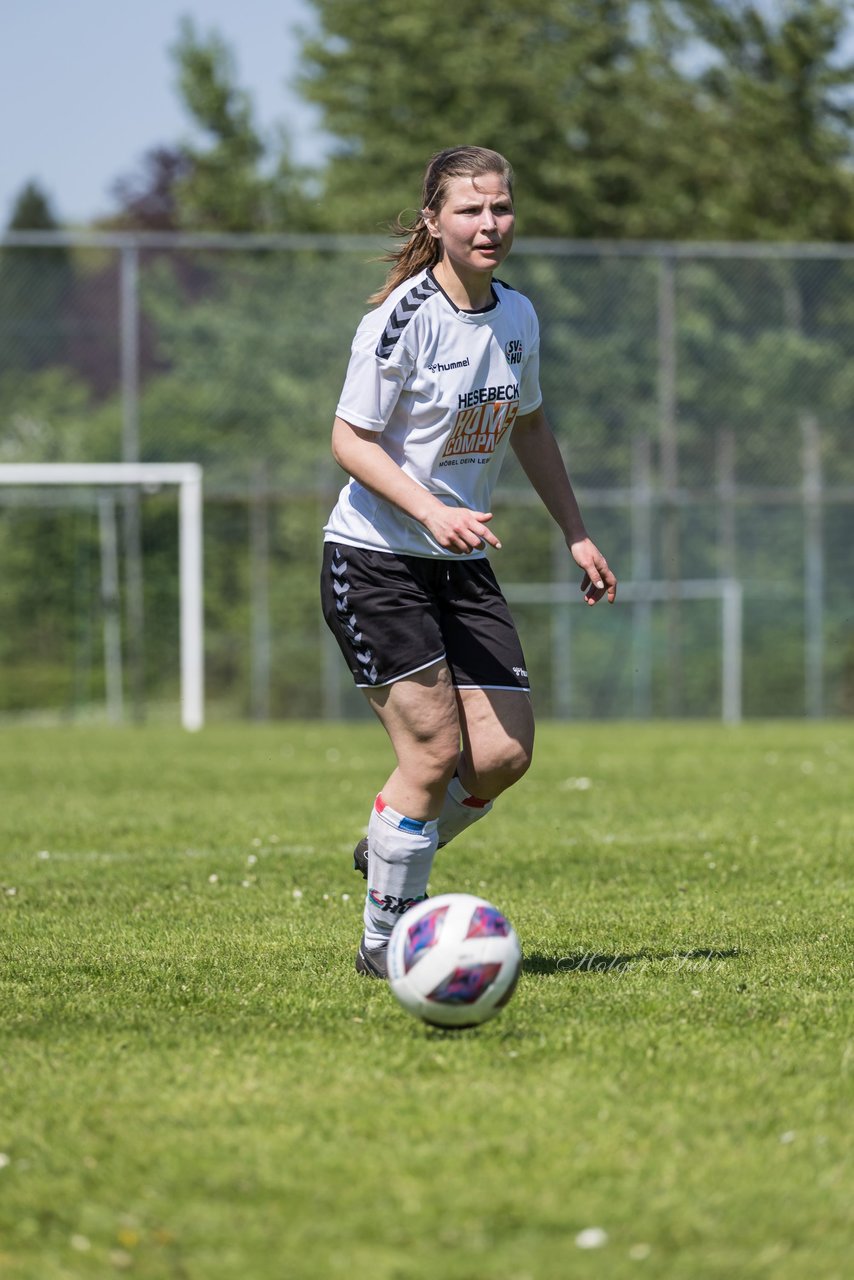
x=594 y=962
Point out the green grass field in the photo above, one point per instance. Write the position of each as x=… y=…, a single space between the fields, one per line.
x=195 y=1084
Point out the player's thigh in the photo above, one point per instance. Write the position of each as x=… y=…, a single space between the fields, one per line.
x=421 y=717
x=497 y=727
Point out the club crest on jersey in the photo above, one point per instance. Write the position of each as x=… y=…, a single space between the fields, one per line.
x=513 y=351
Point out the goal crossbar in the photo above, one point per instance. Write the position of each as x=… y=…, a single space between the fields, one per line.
x=187 y=476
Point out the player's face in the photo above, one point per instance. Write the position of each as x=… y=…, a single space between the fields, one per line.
x=476 y=222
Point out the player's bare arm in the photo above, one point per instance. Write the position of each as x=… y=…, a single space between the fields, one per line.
x=360 y=454
x=540 y=458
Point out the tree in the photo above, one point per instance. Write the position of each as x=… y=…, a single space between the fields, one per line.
x=148 y=199
x=623 y=118
x=778 y=99
x=553 y=85
x=641 y=119
x=35 y=284
x=238 y=181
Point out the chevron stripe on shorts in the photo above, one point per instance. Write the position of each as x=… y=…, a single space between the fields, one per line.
x=403 y=313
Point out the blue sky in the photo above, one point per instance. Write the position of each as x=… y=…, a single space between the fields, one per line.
x=88 y=86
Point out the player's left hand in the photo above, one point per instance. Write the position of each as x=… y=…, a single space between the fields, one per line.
x=598 y=579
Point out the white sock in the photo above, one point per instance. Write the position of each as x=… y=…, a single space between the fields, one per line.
x=400 y=855
x=459 y=811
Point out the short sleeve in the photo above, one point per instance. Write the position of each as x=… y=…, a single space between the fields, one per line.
x=530 y=395
x=371 y=388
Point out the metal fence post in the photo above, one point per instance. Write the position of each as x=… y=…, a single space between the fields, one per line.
x=727 y=541
x=669 y=476
x=680 y=514
x=259 y=591
x=641 y=538
x=129 y=354
x=731 y=651
x=111 y=606
x=813 y=568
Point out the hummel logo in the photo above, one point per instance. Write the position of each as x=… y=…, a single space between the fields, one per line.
x=438 y=367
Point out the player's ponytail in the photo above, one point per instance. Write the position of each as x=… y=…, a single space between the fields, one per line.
x=421 y=249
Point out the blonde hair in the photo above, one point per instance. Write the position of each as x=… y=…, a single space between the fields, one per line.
x=421 y=249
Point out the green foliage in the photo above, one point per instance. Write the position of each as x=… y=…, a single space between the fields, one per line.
x=553 y=86
x=49 y=417
x=49 y=587
x=34 y=290
x=197 y=1084
x=251 y=351
x=228 y=185
x=49 y=583
x=695 y=118
x=222 y=188
x=686 y=120
x=599 y=358
x=32 y=211
x=781 y=109
x=255 y=364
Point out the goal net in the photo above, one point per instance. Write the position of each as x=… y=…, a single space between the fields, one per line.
x=106 y=478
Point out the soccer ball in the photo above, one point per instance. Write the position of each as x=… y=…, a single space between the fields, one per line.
x=453 y=961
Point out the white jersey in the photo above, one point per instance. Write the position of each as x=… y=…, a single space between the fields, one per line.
x=441 y=387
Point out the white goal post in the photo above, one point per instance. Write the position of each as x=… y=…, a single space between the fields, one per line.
x=188 y=478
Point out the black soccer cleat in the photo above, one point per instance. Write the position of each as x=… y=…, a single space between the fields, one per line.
x=360 y=857
x=371 y=964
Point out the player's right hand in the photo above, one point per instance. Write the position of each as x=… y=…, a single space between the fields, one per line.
x=460 y=530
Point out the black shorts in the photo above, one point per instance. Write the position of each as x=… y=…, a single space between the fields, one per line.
x=395 y=615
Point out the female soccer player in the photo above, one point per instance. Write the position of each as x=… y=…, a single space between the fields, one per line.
x=443 y=374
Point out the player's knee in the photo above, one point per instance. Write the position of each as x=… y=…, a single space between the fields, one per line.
x=515 y=763
x=503 y=768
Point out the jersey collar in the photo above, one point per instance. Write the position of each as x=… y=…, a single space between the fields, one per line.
x=463 y=311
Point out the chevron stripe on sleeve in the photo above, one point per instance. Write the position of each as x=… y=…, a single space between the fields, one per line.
x=403 y=313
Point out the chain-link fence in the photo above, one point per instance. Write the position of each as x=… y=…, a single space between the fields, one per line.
x=703 y=397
